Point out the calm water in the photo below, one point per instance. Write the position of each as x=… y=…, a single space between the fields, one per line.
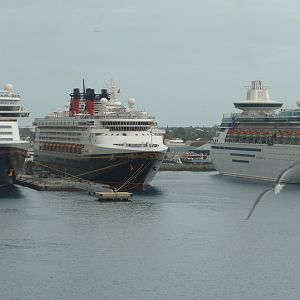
x=186 y=239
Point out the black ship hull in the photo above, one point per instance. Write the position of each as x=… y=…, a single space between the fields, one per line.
x=124 y=171
x=11 y=163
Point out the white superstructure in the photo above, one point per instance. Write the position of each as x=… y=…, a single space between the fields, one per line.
x=260 y=142
x=12 y=148
x=10 y=111
x=98 y=126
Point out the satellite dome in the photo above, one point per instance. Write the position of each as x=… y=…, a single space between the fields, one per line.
x=298 y=103
x=103 y=101
x=8 y=87
x=131 y=102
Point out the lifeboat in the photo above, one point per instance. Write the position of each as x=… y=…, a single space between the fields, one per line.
x=295 y=134
x=262 y=133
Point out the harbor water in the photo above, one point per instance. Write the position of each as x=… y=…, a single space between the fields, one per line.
x=187 y=238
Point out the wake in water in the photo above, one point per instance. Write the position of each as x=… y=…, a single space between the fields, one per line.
x=277 y=188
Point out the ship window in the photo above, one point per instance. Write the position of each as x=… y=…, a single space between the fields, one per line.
x=124 y=134
x=5 y=133
x=9 y=108
x=6 y=139
x=5 y=126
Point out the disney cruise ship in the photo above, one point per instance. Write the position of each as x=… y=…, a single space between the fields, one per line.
x=261 y=141
x=97 y=138
x=12 y=148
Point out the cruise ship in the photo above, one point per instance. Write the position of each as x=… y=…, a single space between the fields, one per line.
x=12 y=148
x=261 y=141
x=97 y=138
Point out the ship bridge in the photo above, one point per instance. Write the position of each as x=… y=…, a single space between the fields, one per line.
x=10 y=106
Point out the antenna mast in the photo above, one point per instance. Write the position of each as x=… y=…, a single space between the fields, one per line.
x=83 y=85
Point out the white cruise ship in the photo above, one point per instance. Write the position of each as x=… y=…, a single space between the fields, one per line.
x=261 y=141
x=12 y=148
x=97 y=138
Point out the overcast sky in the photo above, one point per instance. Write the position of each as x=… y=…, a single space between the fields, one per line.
x=183 y=61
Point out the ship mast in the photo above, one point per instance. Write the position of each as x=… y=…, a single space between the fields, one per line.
x=112 y=90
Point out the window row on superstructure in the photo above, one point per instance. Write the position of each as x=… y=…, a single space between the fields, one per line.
x=9 y=102
x=45 y=138
x=42 y=133
x=63 y=123
x=14 y=115
x=9 y=108
x=6 y=133
x=6 y=139
x=138 y=145
x=115 y=115
x=125 y=123
x=71 y=128
x=264 y=140
x=115 y=128
x=123 y=134
x=10 y=95
x=263 y=105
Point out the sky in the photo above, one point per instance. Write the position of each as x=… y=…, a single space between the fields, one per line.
x=184 y=62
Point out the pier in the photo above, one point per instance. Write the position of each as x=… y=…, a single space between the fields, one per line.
x=101 y=191
x=46 y=184
x=187 y=167
x=113 y=196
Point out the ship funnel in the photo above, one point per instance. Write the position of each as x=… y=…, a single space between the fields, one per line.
x=90 y=94
x=257 y=92
x=257 y=100
x=76 y=93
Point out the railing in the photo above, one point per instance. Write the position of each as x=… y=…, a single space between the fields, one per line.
x=254 y=118
x=104 y=116
x=9 y=95
x=121 y=116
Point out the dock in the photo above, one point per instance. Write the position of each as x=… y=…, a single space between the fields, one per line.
x=46 y=184
x=113 y=196
x=188 y=167
x=101 y=191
